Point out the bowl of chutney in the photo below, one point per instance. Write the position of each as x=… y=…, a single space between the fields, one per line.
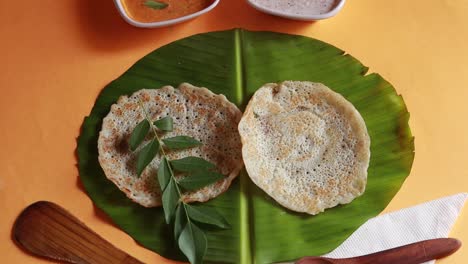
x=160 y=13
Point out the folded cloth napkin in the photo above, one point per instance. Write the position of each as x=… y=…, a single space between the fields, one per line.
x=429 y=220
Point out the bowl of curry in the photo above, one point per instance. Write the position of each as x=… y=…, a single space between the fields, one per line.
x=160 y=13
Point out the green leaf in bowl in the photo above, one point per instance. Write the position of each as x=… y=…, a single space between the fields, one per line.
x=155 y=4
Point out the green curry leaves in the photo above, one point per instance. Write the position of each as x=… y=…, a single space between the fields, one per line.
x=195 y=173
x=181 y=142
x=155 y=4
x=207 y=215
x=165 y=123
x=164 y=174
x=139 y=134
x=192 y=241
x=189 y=164
x=170 y=199
x=147 y=154
x=199 y=180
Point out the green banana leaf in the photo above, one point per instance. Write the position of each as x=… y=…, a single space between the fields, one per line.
x=235 y=63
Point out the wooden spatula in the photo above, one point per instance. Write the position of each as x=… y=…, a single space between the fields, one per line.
x=47 y=230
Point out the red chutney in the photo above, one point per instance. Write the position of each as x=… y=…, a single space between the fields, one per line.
x=138 y=11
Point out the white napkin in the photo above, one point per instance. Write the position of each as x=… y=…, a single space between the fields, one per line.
x=429 y=220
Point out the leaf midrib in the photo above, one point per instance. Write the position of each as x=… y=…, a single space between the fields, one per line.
x=244 y=208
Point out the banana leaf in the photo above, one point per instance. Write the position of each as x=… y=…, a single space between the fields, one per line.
x=236 y=63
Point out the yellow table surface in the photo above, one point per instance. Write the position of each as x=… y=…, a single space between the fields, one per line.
x=56 y=56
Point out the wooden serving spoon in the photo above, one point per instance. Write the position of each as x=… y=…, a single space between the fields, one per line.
x=415 y=253
x=47 y=230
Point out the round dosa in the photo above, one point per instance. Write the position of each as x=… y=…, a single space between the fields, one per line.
x=196 y=112
x=305 y=145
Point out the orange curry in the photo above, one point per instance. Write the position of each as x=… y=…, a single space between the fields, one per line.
x=141 y=10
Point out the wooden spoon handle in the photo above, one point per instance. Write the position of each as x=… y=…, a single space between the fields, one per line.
x=413 y=253
x=46 y=229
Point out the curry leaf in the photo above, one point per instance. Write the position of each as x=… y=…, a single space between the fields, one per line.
x=146 y=155
x=192 y=242
x=207 y=215
x=191 y=164
x=170 y=198
x=165 y=123
x=181 y=142
x=180 y=220
x=138 y=134
x=200 y=179
x=155 y=4
x=164 y=173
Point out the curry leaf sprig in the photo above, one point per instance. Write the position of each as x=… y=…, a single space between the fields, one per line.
x=198 y=173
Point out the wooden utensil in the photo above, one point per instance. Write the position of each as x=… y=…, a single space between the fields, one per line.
x=47 y=230
x=410 y=254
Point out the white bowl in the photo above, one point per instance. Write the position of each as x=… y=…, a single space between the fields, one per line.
x=310 y=17
x=128 y=19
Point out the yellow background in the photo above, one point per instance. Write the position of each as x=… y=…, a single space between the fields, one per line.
x=57 y=55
